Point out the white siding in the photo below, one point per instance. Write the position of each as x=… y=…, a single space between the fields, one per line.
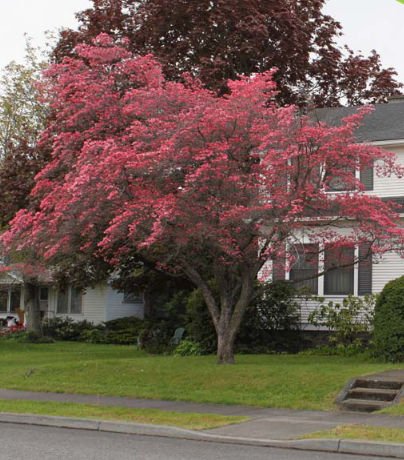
x=117 y=308
x=307 y=307
x=94 y=304
x=390 y=186
x=389 y=268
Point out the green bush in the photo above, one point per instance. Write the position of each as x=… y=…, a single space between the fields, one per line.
x=188 y=348
x=66 y=328
x=199 y=323
x=34 y=337
x=132 y=323
x=348 y=322
x=155 y=337
x=124 y=337
x=278 y=307
x=92 y=336
x=270 y=323
x=389 y=322
x=346 y=351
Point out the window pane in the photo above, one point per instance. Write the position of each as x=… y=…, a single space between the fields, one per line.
x=339 y=281
x=132 y=297
x=76 y=301
x=3 y=300
x=15 y=299
x=310 y=285
x=338 y=183
x=305 y=266
x=43 y=294
x=62 y=302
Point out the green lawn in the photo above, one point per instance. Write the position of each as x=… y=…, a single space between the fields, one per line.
x=298 y=382
x=362 y=433
x=394 y=410
x=122 y=414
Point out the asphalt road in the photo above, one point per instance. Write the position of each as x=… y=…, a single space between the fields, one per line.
x=21 y=442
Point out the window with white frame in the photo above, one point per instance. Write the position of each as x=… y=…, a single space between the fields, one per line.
x=10 y=299
x=342 y=276
x=305 y=267
x=338 y=182
x=43 y=294
x=70 y=301
x=339 y=277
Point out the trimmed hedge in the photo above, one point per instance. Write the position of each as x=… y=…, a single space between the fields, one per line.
x=389 y=322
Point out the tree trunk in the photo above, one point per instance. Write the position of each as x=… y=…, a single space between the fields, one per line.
x=226 y=337
x=32 y=306
x=148 y=304
x=225 y=349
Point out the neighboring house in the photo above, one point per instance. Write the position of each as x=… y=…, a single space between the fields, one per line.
x=384 y=128
x=98 y=304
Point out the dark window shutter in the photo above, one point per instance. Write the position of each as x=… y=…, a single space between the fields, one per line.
x=279 y=269
x=365 y=270
x=367 y=177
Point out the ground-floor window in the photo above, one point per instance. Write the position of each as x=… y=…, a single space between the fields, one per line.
x=10 y=299
x=132 y=297
x=341 y=278
x=70 y=301
x=305 y=268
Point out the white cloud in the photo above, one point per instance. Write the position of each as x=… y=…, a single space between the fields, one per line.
x=33 y=17
x=372 y=24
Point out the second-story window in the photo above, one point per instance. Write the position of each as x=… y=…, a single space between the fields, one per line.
x=341 y=182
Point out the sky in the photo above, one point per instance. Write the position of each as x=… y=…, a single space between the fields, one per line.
x=368 y=24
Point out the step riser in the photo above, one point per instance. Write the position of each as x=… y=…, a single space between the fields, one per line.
x=357 y=394
x=372 y=393
x=361 y=408
x=378 y=384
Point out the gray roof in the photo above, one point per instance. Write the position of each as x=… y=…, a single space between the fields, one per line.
x=386 y=122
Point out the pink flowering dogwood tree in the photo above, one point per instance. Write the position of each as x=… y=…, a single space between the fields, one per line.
x=208 y=187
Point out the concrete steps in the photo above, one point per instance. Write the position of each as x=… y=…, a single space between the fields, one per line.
x=367 y=394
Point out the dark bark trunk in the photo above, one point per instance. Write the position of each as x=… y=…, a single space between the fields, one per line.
x=148 y=304
x=228 y=316
x=225 y=347
x=32 y=306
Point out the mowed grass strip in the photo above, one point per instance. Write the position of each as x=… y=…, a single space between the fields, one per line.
x=190 y=421
x=361 y=433
x=393 y=410
x=282 y=381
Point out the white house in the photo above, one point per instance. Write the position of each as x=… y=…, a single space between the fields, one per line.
x=98 y=304
x=383 y=128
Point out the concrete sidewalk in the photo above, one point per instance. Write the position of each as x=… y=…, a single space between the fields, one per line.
x=281 y=424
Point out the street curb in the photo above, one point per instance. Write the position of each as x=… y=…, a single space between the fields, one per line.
x=368 y=448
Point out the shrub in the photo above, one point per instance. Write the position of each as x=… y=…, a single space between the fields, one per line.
x=34 y=337
x=345 y=351
x=278 y=307
x=188 y=348
x=66 y=328
x=389 y=322
x=199 y=323
x=92 y=336
x=269 y=324
x=156 y=335
x=124 y=337
x=348 y=322
x=132 y=323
